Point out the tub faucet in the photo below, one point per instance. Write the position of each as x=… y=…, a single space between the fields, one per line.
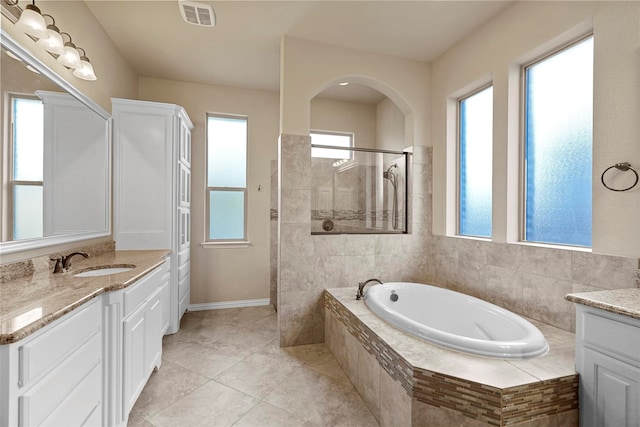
x=63 y=262
x=361 y=285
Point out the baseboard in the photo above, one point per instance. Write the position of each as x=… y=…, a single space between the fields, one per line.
x=229 y=304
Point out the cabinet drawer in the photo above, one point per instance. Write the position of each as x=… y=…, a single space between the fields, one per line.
x=184 y=270
x=43 y=353
x=184 y=256
x=77 y=378
x=184 y=286
x=611 y=335
x=135 y=295
x=82 y=407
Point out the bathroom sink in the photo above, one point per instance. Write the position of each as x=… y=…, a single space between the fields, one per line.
x=104 y=271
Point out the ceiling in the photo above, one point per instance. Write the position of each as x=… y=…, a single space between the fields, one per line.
x=243 y=49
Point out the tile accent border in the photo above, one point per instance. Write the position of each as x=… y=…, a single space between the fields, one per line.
x=489 y=405
x=397 y=368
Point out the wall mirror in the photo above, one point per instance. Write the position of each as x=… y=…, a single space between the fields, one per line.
x=55 y=158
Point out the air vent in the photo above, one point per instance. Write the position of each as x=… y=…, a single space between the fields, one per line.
x=197 y=13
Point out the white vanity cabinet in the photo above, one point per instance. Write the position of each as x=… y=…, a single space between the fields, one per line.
x=152 y=188
x=135 y=322
x=54 y=376
x=608 y=361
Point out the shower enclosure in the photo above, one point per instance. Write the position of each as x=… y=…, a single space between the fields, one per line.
x=358 y=190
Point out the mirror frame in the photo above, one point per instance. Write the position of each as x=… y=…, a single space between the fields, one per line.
x=23 y=245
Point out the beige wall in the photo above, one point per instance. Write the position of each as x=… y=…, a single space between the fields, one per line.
x=390 y=126
x=308 y=68
x=495 y=52
x=343 y=116
x=227 y=274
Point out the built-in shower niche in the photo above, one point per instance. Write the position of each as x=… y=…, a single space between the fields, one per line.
x=358 y=190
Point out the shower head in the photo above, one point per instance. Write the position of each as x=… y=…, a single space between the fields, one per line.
x=389 y=173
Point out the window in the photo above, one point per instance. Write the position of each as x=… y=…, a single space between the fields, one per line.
x=226 y=178
x=475 y=139
x=336 y=139
x=558 y=146
x=27 y=151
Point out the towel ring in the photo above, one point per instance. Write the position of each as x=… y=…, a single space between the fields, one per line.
x=624 y=166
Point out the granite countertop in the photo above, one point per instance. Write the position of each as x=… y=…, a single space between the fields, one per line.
x=620 y=301
x=32 y=302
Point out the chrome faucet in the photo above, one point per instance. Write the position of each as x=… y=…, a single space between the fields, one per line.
x=63 y=262
x=361 y=285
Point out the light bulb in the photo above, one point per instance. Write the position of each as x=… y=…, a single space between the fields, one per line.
x=32 y=23
x=53 y=42
x=70 y=58
x=85 y=70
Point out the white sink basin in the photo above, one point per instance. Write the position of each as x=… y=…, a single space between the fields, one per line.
x=104 y=271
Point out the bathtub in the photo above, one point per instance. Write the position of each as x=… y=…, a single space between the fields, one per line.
x=456 y=321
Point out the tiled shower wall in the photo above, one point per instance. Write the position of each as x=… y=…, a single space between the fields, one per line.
x=308 y=264
x=528 y=280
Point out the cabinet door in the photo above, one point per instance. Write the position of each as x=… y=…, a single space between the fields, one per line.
x=609 y=396
x=153 y=319
x=185 y=144
x=165 y=300
x=184 y=231
x=184 y=186
x=143 y=180
x=134 y=366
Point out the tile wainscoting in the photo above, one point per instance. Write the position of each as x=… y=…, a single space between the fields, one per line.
x=529 y=280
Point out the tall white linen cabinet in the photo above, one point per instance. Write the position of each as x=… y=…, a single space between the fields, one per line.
x=152 y=188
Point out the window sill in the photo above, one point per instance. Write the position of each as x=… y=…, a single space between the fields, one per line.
x=553 y=246
x=226 y=245
x=530 y=244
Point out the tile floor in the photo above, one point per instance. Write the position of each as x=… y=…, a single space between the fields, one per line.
x=224 y=368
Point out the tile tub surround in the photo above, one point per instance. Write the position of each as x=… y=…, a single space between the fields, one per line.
x=440 y=384
x=529 y=280
x=526 y=279
x=32 y=302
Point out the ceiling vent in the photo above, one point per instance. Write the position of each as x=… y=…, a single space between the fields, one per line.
x=197 y=13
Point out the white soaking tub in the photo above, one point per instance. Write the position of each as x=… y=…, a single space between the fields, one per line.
x=456 y=321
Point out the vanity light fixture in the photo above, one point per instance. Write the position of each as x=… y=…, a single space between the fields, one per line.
x=85 y=70
x=70 y=58
x=49 y=37
x=31 y=21
x=53 y=42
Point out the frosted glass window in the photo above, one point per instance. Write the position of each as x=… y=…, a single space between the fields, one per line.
x=476 y=142
x=334 y=139
x=27 y=168
x=558 y=146
x=27 y=204
x=227 y=151
x=27 y=139
x=227 y=215
x=226 y=178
